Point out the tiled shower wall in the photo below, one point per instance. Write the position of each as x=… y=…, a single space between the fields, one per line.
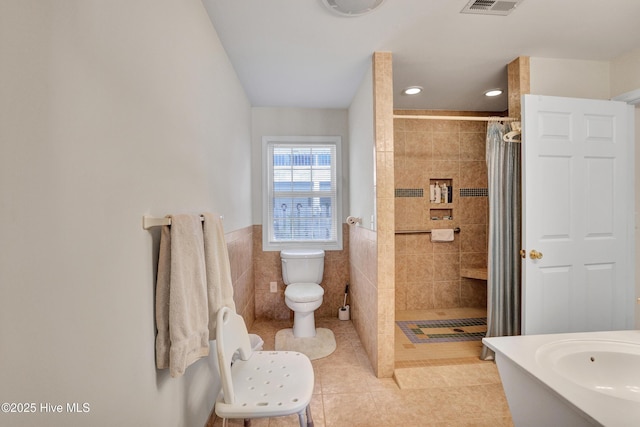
x=268 y=269
x=428 y=274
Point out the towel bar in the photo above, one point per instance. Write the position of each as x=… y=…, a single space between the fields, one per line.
x=149 y=221
x=455 y=230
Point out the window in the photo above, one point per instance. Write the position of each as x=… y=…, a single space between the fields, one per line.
x=301 y=205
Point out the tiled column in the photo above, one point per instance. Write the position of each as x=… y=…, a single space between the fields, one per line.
x=519 y=83
x=383 y=132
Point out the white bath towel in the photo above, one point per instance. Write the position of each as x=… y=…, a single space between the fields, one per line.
x=181 y=296
x=219 y=284
x=442 y=235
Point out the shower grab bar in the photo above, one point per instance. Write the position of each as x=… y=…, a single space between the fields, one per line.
x=455 y=230
x=149 y=221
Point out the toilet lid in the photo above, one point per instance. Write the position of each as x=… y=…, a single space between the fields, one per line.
x=304 y=292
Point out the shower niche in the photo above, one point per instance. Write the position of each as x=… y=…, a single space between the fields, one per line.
x=441 y=199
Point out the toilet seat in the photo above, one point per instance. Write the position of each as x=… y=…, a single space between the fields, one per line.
x=304 y=292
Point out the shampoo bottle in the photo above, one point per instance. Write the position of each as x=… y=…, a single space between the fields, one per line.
x=445 y=193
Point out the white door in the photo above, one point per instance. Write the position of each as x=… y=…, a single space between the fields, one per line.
x=578 y=203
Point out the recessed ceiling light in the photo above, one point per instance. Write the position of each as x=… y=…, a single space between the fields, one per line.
x=493 y=92
x=352 y=7
x=412 y=90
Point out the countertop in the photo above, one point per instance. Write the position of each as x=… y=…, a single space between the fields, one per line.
x=608 y=410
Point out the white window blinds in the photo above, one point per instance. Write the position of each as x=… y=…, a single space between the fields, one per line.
x=302 y=193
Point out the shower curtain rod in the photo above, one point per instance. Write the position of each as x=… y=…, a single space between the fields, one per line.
x=471 y=118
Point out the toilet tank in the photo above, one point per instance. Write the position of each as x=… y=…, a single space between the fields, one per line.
x=302 y=265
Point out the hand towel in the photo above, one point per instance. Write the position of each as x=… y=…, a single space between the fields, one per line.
x=216 y=255
x=181 y=296
x=442 y=235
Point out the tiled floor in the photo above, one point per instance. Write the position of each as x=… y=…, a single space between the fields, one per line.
x=409 y=354
x=347 y=393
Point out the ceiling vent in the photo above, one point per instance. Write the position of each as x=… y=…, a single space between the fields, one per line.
x=491 y=7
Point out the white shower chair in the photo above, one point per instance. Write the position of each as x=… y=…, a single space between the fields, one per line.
x=259 y=384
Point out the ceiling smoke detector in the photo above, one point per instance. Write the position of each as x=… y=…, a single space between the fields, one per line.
x=491 y=7
x=352 y=7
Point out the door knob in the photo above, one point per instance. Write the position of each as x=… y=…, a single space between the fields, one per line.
x=523 y=253
x=535 y=254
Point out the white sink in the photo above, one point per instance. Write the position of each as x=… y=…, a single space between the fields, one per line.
x=605 y=366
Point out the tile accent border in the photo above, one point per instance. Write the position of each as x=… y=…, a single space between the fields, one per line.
x=409 y=192
x=474 y=192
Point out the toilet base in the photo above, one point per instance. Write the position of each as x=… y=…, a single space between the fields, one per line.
x=304 y=324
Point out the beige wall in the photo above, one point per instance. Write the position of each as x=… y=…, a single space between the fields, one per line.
x=428 y=275
x=570 y=78
x=625 y=73
x=109 y=110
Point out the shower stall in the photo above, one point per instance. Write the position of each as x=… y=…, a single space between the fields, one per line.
x=440 y=286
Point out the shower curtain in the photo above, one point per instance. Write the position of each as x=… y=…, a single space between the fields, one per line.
x=505 y=212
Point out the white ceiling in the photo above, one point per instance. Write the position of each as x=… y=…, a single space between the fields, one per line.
x=296 y=53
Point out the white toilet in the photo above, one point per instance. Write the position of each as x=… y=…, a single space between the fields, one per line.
x=302 y=271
